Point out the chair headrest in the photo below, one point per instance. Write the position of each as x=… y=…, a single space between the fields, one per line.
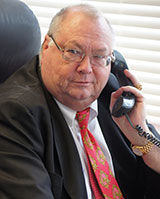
x=20 y=36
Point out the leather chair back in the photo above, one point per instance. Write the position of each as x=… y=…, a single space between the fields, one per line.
x=20 y=36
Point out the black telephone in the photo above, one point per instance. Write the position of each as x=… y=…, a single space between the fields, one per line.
x=126 y=101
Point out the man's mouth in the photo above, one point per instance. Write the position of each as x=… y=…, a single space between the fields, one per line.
x=81 y=83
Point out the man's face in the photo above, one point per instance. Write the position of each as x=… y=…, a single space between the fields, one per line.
x=75 y=84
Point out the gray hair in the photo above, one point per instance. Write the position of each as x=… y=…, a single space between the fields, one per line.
x=87 y=9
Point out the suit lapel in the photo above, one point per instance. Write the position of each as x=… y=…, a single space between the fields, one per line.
x=67 y=153
x=66 y=149
x=69 y=158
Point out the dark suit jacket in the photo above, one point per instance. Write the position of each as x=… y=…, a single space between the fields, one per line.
x=38 y=156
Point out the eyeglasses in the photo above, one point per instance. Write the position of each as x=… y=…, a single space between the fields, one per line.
x=75 y=55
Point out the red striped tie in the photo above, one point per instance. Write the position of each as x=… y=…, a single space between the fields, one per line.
x=103 y=183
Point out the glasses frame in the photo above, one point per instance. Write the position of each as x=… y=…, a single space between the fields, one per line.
x=110 y=59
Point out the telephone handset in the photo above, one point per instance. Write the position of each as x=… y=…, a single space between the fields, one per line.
x=126 y=101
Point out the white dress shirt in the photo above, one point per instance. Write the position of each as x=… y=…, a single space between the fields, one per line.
x=93 y=126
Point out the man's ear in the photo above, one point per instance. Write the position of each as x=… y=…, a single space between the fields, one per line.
x=45 y=46
x=46 y=42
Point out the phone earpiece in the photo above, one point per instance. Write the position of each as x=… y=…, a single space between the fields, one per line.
x=126 y=101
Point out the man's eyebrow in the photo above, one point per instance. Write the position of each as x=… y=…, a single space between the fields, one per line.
x=73 y=42
x=103 y=51
x=100 y=50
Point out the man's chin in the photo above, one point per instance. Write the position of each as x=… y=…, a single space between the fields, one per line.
x=82 y=95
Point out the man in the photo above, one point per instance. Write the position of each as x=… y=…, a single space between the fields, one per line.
x=41 y=150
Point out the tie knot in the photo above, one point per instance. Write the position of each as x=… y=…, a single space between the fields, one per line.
x=83 y=117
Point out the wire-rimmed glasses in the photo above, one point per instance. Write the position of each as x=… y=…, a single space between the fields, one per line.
x=77 y=55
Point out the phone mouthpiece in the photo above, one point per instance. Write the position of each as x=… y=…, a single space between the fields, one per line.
x=124 y=104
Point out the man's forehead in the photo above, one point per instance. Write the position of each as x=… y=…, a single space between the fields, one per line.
x=83 y=25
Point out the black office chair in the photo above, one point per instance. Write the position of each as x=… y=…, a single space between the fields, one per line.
x=20 y=36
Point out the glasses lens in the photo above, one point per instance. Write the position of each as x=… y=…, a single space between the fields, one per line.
x=108 y=61
x=72 y=55
x=100 y=60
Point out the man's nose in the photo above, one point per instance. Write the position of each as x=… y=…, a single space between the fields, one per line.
x=85 y=65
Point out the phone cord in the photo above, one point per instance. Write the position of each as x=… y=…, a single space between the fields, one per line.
x=144 y=134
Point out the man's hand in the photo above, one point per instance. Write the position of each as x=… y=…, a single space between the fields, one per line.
x=137 y=116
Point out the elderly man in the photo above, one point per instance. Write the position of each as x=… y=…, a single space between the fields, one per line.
x=47 y=149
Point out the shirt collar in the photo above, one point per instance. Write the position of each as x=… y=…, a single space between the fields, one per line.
x=70 y=114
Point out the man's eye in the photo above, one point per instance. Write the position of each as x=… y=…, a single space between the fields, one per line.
x=99 y=56
x=74 y=51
